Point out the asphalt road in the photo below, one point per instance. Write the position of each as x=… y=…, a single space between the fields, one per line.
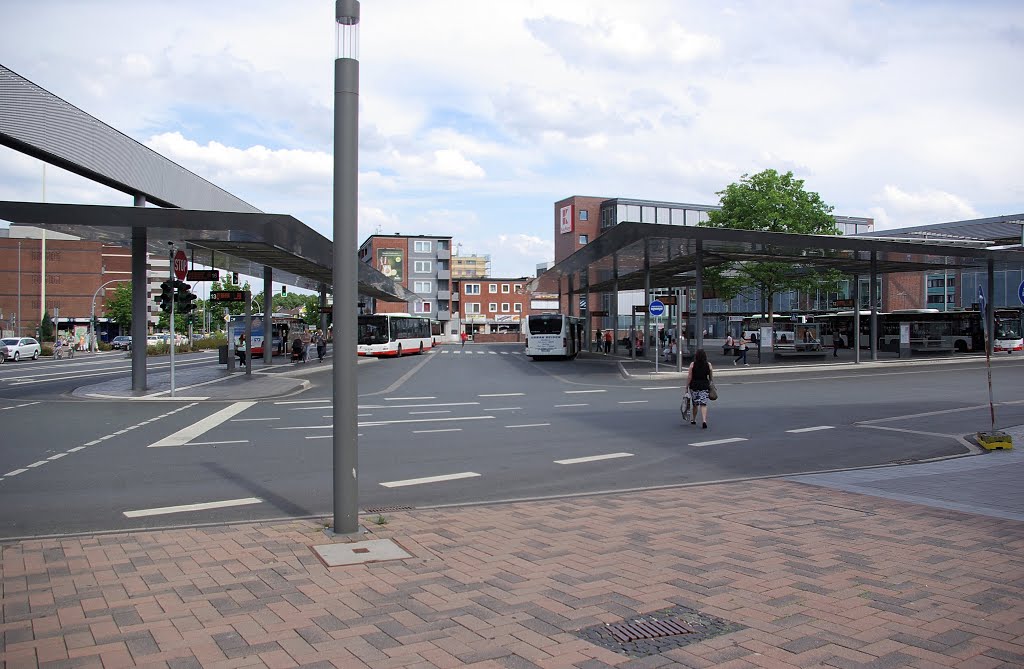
x=455 y=426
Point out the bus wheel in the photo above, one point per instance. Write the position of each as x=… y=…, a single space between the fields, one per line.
x=399 y=350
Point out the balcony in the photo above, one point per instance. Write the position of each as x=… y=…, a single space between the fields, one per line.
x=444 y=295
x=444 y=315
x=444 y=255
x=444 y=274
x=455 y=296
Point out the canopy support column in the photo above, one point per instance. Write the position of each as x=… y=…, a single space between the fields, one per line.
x=698 y=326
x=872 y=291
x=268 y=315
x=140 y=286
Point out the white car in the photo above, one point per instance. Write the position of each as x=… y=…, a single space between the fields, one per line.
x=154 y=340
x=16 y=348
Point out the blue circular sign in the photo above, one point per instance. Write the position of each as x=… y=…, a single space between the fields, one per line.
x=1020 y=292
x=657 y=308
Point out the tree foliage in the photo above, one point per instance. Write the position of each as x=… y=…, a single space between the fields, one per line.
x=118 y=307
x=46 y=326
x=770 y=202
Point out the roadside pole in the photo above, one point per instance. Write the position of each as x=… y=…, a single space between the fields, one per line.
x=174 y=292
x=656 y=309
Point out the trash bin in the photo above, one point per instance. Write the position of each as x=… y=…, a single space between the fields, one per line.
x=222 y=354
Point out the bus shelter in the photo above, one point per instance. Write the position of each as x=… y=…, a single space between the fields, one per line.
x=652 y=257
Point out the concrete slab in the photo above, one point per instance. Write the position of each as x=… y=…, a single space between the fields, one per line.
x=374 y=550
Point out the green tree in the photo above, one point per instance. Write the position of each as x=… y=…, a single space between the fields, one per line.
x=118 y=307
x=770 y=202
x=46 y=326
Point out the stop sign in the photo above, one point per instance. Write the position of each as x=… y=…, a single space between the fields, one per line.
x=180 y=265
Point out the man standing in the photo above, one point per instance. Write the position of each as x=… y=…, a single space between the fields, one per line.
x=607 y=342
x=463 y=337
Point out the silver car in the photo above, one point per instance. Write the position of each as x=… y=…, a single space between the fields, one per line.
x=16 y=348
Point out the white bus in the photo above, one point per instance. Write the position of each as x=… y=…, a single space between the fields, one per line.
x=554 y=335
x=393 y=335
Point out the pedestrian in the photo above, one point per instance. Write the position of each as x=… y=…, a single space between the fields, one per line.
x=463 y=337
x=321 y=346
x=597 y=340
x=742 y=347
x=607 y=342
x=240 y=349
x=698 y=382
x=837 y=343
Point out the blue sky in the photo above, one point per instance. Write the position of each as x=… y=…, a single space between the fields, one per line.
x=477 y=115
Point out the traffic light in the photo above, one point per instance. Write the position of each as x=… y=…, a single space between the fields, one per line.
x=184 y=298
x=284 y=290
x=166 y=295
x=234 y=278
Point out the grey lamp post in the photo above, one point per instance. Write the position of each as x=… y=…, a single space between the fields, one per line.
x=345 y=274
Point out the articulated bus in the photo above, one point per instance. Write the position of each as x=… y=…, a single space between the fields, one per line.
x=751 y=325
x=393 y=335
x=283 y=329
x=553 y=335
x=930 y=329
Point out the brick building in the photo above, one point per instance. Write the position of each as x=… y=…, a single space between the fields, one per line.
x=491 y=306
x=422 y=264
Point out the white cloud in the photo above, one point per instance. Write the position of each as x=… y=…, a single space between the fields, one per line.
x=898 y=208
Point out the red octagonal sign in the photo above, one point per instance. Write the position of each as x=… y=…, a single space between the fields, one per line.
x=180 y=265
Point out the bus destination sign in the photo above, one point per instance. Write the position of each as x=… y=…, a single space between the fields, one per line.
x=228 y=295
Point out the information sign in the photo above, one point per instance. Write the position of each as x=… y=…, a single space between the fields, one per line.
x=203 y=275
x=657 y=308
x=1020 y=292
x=228 y=296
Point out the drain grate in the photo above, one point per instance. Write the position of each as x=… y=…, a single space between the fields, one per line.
x=387 y=509
x=626 y=632
x=657 y=632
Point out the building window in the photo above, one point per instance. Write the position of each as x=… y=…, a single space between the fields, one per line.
x=492 y=307
x=584 y=239
x=583 y=214
x=505 y=288
x=505 y=307
x=518 y=288
x=472 y=307
x=517 y=307
x=421 y=306
x=472 y=289
x=493 y=288
x=422 y=287
x=422 y=266
x=422 y=246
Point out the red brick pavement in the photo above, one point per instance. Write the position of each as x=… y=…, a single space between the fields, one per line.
x=816 y=577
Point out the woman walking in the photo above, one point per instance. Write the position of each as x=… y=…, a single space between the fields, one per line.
x=699 y=382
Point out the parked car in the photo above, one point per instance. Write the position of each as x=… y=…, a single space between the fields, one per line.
x=123 y=341
x=15 y=348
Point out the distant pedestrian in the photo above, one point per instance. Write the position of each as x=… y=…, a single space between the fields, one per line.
x=698 y=382
x=607 y=342
x=240 y=349
x=463 y=337
x=741 y=346
x=597 y=340
x=321 y=346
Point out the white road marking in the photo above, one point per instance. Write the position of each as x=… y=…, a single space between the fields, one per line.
x=419 y=420
x=812 y=429
x=407 y=399
x=493 y=352
x=633 y=402
x=415 y=406
x=56 y=457
x=593 y=458
x=320 y=436
x=580 y=392
x=93 y=442
x=16 y=472
x=503 y=395
x=301 y=401
x=182 y=437
x=429 y=479
x=718 y=441
x=504 y=409
x=306 y=427
x=36 y=464
x=530 y=425
x=664 y=388
x=76 y=449
x=416 y=413
x=241 y=420
x=192 y=507
x=450 y=429
x=363 y=415
x=17 y=406
x=216 y=443
x=558 y=406
x=320 y=408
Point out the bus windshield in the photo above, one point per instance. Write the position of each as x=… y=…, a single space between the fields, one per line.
x=373 y=330
x=549 y=324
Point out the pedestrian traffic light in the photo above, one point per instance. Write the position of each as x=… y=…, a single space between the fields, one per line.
x=166 y=295
x=234 y=278
x=284 y=290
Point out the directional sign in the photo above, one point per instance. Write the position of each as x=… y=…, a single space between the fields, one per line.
x=229 y=295
x=656 y=307
x=1020 y=292
x=180 y=265
x=203 y=275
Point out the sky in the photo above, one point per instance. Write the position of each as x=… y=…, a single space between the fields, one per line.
x=476 y=116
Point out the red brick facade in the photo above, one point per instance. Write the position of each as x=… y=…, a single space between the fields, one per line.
x=500 y=304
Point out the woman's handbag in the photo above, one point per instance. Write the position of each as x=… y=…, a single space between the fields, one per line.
x=684 y=406
x=712 y=391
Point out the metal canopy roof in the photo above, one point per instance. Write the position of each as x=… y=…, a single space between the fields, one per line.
x=232 y=241
x=996 y=229
x=670 y=251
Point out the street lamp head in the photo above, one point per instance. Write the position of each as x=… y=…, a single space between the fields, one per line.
x=346 y=18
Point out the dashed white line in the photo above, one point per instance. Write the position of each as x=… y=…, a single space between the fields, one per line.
x=415 y=406
x=418 y=420
x=16 y=472
x=243 y=420
x=192 y=507
x=36 y=464
x=76 y=449
x=580 y=392
x=217 y=443
x=812 y=429
x=93 y=442
x=558 y=406
x=715 y=442
x=633 y=402
x=417 y=413
x=319 y=408
x=18 y=406
x=593 y=458
x=450 y=429
x=530 y=425
x=503 y=409
x=429 y=479
x=664 y=388
x=56 y=457
x=502 y=395
x=407 y=399
x=301 y=401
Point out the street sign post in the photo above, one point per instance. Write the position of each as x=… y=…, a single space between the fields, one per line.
x=657 y=308
x=1020 y=292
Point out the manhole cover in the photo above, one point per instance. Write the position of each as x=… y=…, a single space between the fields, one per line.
x=658 y=632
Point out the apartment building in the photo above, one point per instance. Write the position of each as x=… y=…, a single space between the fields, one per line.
x=422 y=264
x=470 y=266
x=491 y=306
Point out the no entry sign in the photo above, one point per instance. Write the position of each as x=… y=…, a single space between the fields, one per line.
x=180 y=265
